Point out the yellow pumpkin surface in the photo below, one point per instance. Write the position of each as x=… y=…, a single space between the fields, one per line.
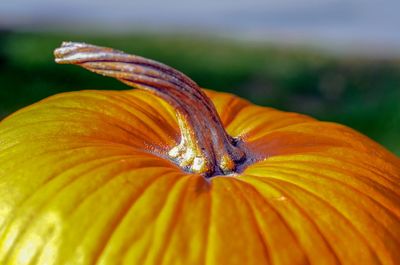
x=80 y=183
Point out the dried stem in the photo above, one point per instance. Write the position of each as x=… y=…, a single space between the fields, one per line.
x=205 y=147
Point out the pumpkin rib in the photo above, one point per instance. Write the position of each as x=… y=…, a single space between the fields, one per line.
x=124 y=210
x=254 y=220
x=291 y=143
x=277 y=183
x=240 y=184
x=29 y=219
x=252 y=114
x=335 y=132
x=160 y=117
x=338 y=181
x=210 y=232
x=227 y=105
x=245 y=178
x=157 y=116
x=118 y=175
x=184 y=228
x=258 y=119
x=259 y=133
x=107 y=157
x=42 y=207
x=149 y=157
x=108 y=181
x=110 y=236
x=106 y=118
x=189 y=231
x=81 y=242
x=156 y=104
x=390 y=214
x=334 y=156
x=78 y=122
x=286 y=128
x=357 y=141
x=385 y=211
x=235 y=106
x=207 y=256
x=389 y=189
x=157 y=121
x=68 y=169
x=101 y=114
x=284 y=125
x=133 y=152
x=367 y=167
x=371 y=201
x=371 y=243
x=231 y=230
x=158 y=258
x=100 y=144
x=373 y=168
x=295 y=134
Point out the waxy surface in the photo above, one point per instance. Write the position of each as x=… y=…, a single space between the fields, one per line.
x=83 y=180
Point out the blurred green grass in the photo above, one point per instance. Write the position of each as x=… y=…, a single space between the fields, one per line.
x=363 y=93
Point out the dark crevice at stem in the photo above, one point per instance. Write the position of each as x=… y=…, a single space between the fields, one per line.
x=205 y=147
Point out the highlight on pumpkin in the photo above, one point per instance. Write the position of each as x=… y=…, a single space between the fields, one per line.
x=87 y=178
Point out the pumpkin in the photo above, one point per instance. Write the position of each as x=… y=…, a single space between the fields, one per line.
x=173 y=174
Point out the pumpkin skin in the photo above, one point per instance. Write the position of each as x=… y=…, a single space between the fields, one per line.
x=80 y=183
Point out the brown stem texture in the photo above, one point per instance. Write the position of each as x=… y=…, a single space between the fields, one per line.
x=205 y=147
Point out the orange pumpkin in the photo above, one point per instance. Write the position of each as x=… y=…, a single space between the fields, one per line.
x=125 y=177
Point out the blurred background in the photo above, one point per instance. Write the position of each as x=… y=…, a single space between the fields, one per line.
x=337 y=60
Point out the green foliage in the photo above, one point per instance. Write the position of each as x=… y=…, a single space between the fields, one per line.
x=360 y=92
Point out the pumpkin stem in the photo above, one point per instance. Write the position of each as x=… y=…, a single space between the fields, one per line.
x=205 y=147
